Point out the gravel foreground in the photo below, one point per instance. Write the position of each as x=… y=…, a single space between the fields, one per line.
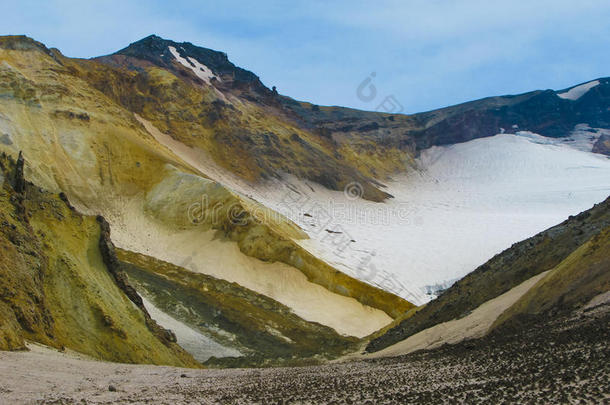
x=563 y=361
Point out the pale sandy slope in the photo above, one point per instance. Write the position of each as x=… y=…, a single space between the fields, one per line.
x=472 y=326
x=202 y=251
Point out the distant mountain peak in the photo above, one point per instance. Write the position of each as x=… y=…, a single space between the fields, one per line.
x=575 y=92
x=205 y=62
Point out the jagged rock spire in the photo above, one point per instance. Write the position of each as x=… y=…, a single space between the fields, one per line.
x=19 y=179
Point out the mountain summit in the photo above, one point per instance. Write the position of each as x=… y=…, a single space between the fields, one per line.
x=202 y=62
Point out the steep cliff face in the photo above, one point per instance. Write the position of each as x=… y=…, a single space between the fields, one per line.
x=58 y=288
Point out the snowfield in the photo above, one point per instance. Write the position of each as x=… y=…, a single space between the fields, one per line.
x=466 y=203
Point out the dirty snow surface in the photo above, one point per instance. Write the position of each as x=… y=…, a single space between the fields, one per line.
x=464 y=204
x=200 y=346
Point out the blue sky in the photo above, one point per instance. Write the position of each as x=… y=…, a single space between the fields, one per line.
x=428 y=54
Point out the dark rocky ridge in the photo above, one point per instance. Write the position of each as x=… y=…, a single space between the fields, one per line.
x=339 y=145
x=155 y=50
x=542 y=112
x=115 y=268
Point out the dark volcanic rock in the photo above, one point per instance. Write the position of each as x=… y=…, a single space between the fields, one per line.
x=155 y=49
x=115 y=268
x=602 y=145
x=542 y=112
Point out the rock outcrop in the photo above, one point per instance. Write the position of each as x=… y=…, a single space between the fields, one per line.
x=61 y=284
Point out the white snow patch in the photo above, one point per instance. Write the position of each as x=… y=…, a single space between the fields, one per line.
x=201 y=347
x=577 y=92
x=202 y=71
x=581 y=138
